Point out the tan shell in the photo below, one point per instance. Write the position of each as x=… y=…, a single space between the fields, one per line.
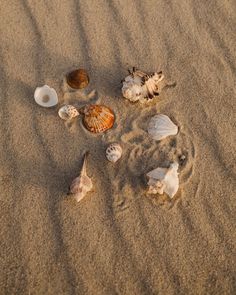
x=82 y=184
x=97 y=118
x=68 y=112
x=78 y=79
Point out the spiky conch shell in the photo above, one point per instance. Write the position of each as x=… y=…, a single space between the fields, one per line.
x=82 y=184
x=113 y=152
x=97 y=118
x=160 y=126
x=139 y=86
x=164 y=180
x=68 y=112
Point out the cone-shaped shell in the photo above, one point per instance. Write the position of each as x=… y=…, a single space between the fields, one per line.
x=82 y=184
x=46 y=96
x=113 y=152
x=68 y=112
x=164 y=180
x=161 y=126
x=97 y=118
x=77 y=79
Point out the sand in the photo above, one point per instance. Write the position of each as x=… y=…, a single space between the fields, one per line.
x=117 y=240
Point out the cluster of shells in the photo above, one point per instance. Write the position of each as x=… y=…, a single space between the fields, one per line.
x=137 y=86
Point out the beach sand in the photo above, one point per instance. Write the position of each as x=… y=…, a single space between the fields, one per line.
x=117 y=240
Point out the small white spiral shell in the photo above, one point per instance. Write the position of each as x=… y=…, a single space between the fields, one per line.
x=113 y=152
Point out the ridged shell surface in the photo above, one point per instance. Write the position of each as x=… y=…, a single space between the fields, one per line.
x=97 y=118
x=161 y=126
x=68 y=112
x=113 y=152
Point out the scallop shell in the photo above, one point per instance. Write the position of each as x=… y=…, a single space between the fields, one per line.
x=139 y=86
x=97 y=118
x=46 y=96
x=82 y=184
x=78 y=79
x=164 y=180
x=68 y=112
x=113 y=152
x=161 y=126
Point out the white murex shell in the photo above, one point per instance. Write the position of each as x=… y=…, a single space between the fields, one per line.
x=82 y=184
x=113 y=152
x=161 y=126
x=164 y=180
x=46 y=96
x=139 y=86
x=68 y=112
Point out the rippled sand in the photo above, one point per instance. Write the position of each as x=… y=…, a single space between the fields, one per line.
x=117 y=240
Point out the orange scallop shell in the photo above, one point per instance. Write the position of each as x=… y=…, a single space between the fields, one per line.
x=97 y=118
x=78 y=79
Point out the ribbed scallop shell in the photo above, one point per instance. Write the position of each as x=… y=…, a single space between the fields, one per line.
x=161 y=126
x=97 y=118
x=68 y=112
x=113 y=152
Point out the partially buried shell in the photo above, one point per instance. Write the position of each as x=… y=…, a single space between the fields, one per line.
x=113 y=152
x=164 y=180
x=82 y=184
x=68 y=112
x=78 y=79
x=161 y=126
x=97 y=118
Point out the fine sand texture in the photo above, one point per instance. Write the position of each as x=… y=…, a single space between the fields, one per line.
x=118 y=239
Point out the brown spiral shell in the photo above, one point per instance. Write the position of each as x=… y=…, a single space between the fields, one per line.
x=77 y=79
x=97 y=118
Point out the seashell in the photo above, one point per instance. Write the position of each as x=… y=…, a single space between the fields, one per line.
x=78 y=79
x=164 y=180
x=97 y=118
x=139 y=86
x=68 y=112
x=46 y=96
x=161 y=126
x=113 y=152
x=82 y=184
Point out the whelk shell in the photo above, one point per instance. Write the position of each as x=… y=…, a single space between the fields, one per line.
x=161 y=126
x=113 y=152
x=82 y=184
x=46 y=96
x=140 y=86
x=78 y=79
x=68 y=112
x=164 y=180
x=97 y=118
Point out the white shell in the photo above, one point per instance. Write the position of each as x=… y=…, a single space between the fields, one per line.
x=161 y=126
x=46 y=96
x=68 y=112
x=164 y=180
x=82 y=184
x=139 y=86
x=113 y=152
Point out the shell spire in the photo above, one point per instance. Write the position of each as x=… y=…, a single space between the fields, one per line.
x=82 y=184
